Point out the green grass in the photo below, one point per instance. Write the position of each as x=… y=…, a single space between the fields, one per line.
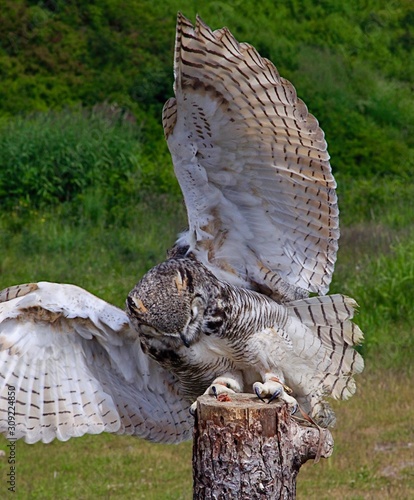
x=378 y=201
x=374 y=435
x=104 y=258
x=373 y=453
x=372 y=457
x=51 y=158
x=103 y=466
x=376 y=267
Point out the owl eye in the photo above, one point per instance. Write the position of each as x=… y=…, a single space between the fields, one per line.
x=197 y=306
x=194 y=312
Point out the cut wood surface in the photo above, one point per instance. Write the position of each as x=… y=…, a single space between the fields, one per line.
x=246 y=449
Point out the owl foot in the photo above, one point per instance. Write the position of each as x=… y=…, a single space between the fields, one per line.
x=225 y=384
x=273 y=388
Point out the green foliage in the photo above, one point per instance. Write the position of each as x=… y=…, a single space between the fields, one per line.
x=376 y=267
x=88 y=196
x=85 y=245
x=385 y=290
x=387 y=201
x=351 y=61
x=51 y=158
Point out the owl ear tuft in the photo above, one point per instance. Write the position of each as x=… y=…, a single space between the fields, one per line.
x=180 y=282
x=136 y=304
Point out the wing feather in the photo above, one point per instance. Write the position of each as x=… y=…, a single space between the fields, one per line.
x=252 y=164
x=75 y=366
x=326 y=335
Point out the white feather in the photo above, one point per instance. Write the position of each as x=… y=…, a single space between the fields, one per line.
x=252 y=165
x=77 y=367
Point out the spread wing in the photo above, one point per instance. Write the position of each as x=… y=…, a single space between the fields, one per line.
x=253 y=167
x=71 y=364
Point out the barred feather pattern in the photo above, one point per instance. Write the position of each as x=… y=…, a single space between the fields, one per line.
x=13 y=292
x=329 y=321
x=253 y=167
x=308 y=343
x=71 y=364
x=311 y=342
x=262 y=210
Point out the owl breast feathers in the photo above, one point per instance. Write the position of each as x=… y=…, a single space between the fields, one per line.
x=229 y=310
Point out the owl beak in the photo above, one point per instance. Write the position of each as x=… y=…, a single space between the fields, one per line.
x=185 y=340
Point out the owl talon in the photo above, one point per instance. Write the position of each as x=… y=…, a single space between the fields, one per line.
x=275 y=395
x=269 y=389
x=273 y=388
x=257 y=391
x=294 y=407
x=193 y=409
x=225 y=384
x=219 y=388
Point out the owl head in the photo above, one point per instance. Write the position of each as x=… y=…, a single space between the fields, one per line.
x=170 y=302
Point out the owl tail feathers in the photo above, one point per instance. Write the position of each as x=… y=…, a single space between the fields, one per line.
x=331 y=315
x=329 y=319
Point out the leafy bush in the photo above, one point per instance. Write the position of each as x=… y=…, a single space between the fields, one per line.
x=59 y=157
x=350 y=61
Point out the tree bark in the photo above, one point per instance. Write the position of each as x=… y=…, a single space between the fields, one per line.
x=246 y=449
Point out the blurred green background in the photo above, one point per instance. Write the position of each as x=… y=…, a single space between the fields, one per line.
x=88 y=196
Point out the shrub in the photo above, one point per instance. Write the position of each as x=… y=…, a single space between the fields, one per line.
x=59 y=157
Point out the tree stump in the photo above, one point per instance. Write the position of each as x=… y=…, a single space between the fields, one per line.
x=246 y=449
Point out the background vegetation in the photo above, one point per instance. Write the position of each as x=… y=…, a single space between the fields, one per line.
x=87 y=195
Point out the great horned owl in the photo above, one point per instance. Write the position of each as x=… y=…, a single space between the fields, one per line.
x=217 y=337
x=230 y=308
